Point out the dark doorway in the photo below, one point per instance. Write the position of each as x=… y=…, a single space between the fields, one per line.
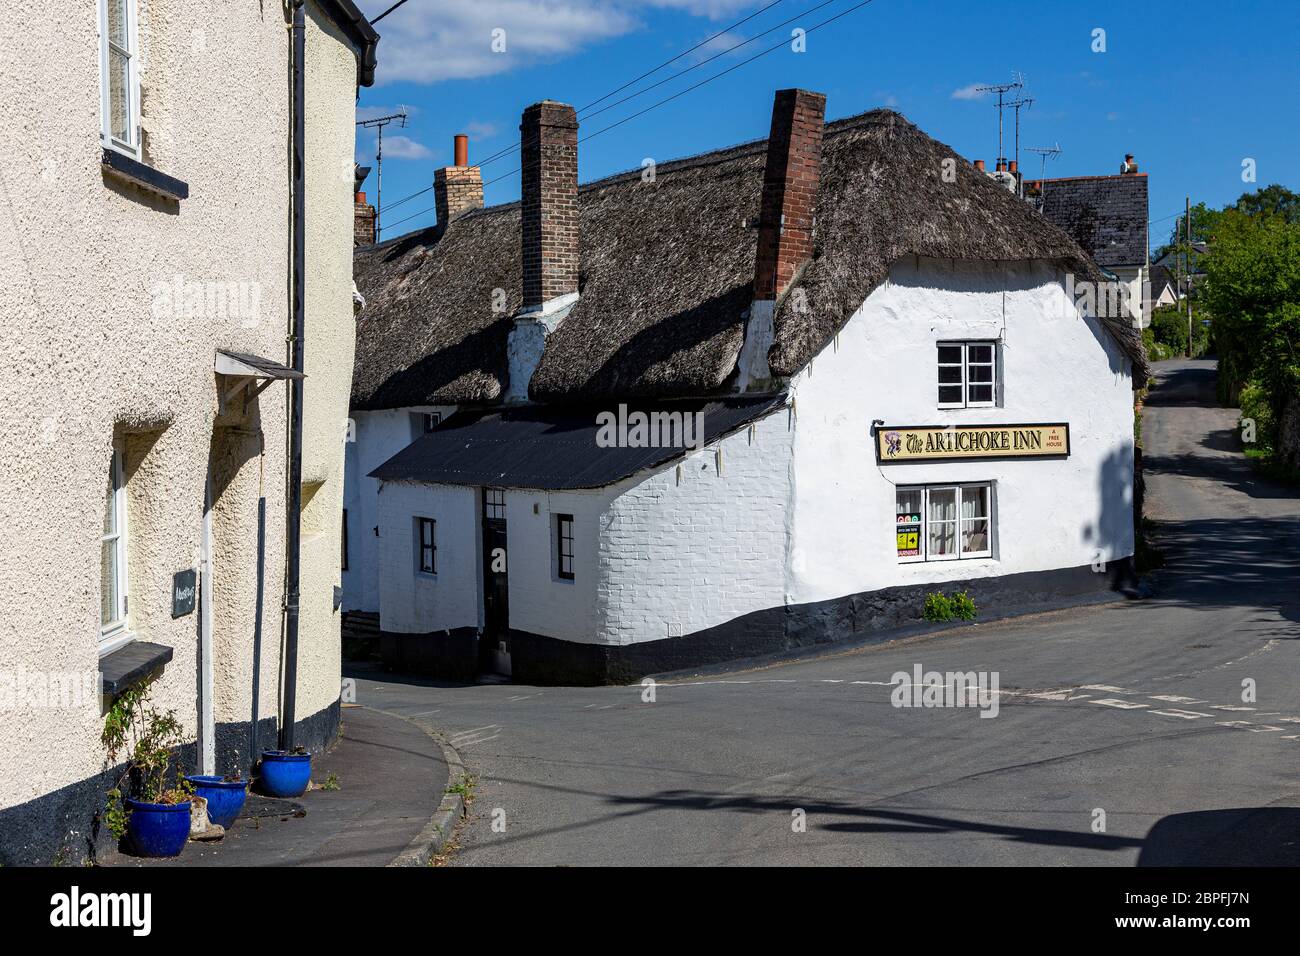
x=494 y=646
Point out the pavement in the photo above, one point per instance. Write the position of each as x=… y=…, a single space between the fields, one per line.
x=391 y=777
x=1123 y=734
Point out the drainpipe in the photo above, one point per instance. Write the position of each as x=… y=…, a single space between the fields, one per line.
x=293 y=531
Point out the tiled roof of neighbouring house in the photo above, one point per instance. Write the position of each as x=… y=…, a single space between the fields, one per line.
x=667 y=271
x=1106 y=215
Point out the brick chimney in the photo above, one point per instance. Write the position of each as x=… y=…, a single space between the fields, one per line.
x=363 y=214
x=789 y=203
x=457 y=189
x=786 y=219
x=548 y=201
x=1129 y=167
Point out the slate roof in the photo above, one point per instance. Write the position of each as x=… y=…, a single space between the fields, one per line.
x=552 y=447
x=1106 y=215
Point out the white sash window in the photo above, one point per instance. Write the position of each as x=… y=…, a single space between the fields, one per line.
x=944 y=522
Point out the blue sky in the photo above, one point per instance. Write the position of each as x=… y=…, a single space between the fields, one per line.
x=1192 y=91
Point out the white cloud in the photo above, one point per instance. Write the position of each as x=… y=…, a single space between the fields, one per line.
x=713 y=9
x=969 y=92
x=403 y=147
x=455 y=41
x=475 y=129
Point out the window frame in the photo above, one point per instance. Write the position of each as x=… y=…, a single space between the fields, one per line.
x=494 y=503
x=344 y=542
x=118 y=630
x=429 y=421
x=560 y=539
x=959 y=488
x=132 y=54
x=965 y=366
x=431 y=548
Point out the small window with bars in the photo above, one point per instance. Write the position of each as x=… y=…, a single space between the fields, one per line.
x=564 y=546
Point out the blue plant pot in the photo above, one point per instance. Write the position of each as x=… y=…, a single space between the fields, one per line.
x=158 y=829
x=285 y=774
x=225 y=798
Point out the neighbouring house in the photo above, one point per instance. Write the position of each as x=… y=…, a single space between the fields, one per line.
x=753 y=400
x=146 y=380
x=1107 y=216
x=1164 y=287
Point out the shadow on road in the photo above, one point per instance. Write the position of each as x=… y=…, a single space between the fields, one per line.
x=1263 y=836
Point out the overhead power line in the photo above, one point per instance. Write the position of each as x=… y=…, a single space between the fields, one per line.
x=674 y=96
x=505 y=151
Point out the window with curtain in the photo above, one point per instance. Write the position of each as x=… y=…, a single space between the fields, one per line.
x=944 y=522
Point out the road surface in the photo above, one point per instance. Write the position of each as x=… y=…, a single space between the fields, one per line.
x=1121 y=735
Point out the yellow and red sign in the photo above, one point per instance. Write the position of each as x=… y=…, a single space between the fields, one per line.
x=904 y=443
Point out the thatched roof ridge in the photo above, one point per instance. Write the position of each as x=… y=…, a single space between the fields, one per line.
x=667 y=272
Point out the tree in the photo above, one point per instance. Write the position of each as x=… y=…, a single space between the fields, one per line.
x=1274 y=200
x=1252 y=287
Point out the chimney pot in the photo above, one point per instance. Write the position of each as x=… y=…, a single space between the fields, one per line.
x=790 y=181
x=457 y=189
x=1015 y=166
x=979 y=165
x=548 y=202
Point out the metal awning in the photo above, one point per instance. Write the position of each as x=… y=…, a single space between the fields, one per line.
x=243 y=369
x=253 y=366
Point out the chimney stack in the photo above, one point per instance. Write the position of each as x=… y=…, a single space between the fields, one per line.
x=363 y=214
x=979 y=165
x=457 y=189
x=548 y=203
x=790 y=178
x=1128 y=167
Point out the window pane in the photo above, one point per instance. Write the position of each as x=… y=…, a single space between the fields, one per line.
x=117 y=22
x=981 y=393
x=949 y=374
x=950 y=354
x=908 y=523
x=975 y=502
x=108 y=600
x=975 y=536
x=110 y=502
x=979 y=353
x=950 y=394
x=943 y=521
x=980 y=373
x=119 y=101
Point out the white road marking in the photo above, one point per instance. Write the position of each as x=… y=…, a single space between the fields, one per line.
x=1175 y=699
x=1230 y=707
x=1121 y=704
x=1108 y=688
x=1184 y=714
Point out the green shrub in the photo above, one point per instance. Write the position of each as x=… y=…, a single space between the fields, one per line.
x=963 y=606
x=939 y=607
x=1255 y=407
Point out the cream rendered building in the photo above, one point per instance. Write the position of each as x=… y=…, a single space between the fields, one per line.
x=146 y=255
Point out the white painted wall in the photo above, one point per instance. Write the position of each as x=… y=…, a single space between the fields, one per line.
x=376 y=436
x=417 y=603
x=1051 y=514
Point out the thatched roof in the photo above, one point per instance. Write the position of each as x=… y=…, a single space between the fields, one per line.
x=667 y=272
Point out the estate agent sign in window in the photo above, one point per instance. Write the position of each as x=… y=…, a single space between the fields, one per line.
x=944 y=522
x=903 y=443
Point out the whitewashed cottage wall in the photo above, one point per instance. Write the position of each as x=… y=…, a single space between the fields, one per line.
x=1056 y=367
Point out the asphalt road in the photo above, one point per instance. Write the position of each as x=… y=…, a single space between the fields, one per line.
x=1134 y=709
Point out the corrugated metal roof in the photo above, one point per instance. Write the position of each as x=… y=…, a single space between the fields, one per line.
x=552 y=447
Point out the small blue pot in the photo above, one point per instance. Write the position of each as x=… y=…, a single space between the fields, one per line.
x=285 y=774
x=225 y=798
x=158 y=829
